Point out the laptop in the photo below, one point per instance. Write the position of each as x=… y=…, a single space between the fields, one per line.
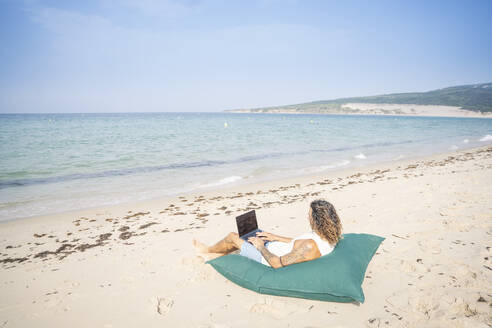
x=247 y=226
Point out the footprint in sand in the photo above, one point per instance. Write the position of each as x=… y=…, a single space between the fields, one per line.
x=164 y=305
x=467 y=308
x=398 y=300
x=373 y=322
x=195 y=270
x=262 y=308
x=425 y=305
x=277 y=309
x=466 y=277
x=429 y=246
x=408 y=266
x=447 y=306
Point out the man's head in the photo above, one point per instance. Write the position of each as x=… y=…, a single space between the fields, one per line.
x=324 y=221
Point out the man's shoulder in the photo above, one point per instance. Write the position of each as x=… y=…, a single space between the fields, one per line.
x=308 y=245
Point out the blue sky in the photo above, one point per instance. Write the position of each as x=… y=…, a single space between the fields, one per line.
x=194 y=55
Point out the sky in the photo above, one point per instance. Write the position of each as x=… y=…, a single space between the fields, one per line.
x=213 y=55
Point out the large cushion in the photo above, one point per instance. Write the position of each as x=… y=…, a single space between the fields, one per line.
x=336 y=277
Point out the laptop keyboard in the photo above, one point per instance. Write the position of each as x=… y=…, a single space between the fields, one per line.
x=251 y=234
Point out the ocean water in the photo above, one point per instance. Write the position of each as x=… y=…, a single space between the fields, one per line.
x=57 y=162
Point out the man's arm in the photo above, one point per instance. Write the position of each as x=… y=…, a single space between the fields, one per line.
x=271 y=258
x=303 y=250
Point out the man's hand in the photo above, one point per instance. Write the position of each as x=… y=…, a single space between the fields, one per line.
x=266 y=236
x=257 y=242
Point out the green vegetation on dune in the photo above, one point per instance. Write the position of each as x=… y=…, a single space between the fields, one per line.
x=475 y=97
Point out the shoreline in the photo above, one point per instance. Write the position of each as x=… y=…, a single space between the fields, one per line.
x=373 y=109
x=211 y=191
x=465 y=115
x=85 y=180
x=134 y=264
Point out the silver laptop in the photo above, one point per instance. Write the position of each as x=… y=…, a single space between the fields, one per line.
x=247 y=226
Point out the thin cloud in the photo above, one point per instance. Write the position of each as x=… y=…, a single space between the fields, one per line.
x=162 y=8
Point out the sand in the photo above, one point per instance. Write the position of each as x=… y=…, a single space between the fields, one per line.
x=412 y=110
x=374 y=109
x=134 y=265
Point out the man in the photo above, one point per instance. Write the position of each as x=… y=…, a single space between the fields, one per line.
x=282 y=251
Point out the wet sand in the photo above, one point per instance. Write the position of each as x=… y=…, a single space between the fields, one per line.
x=134 y=264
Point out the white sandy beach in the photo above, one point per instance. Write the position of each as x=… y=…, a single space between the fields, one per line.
x=379 y=109
x=134 y=265
x=412 y=110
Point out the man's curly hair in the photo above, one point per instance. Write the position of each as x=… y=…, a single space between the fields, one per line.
x=325 y=221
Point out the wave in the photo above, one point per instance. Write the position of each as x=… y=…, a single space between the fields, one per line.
x=148 y=169
x=487 y=137
x=360 y=156
x=326 y=167
x=103 y=174
x=466 y=141
x=220 y=182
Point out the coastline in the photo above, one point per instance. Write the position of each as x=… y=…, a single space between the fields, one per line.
x=117 y=170
x=487 y=116
x=133 y=263
x=234 y=188
x=373 y=109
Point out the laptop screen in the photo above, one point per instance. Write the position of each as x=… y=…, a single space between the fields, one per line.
x=246 y=223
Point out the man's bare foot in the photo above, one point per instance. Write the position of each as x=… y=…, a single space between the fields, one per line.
x=200 y=247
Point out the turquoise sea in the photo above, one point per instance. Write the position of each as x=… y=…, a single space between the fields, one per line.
x=57 y=162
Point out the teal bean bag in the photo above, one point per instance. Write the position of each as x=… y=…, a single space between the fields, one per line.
x=336 y=277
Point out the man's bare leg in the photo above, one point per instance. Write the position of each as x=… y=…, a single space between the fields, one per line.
x=230 y=243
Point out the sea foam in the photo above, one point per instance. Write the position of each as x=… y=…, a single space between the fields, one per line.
x=223 y=181
x=326 y=167
x=487 y=137
x=360 y=156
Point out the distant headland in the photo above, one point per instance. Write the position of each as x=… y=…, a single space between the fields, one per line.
x=473 y=100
